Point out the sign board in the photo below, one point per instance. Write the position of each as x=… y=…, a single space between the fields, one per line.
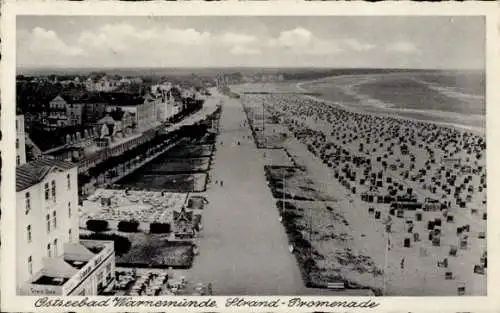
x=88 y=269
x=41 y=290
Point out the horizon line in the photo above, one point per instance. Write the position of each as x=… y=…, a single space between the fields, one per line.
x=242 y=67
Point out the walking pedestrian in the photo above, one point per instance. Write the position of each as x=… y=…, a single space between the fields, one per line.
x=222 y=183
x=402 y=263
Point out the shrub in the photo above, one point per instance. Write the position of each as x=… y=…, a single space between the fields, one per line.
x=128 y=226
x=122 y=244
x=97 y=225
x=159 y=228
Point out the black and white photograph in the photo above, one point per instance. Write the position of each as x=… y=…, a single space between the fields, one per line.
x=256 y=155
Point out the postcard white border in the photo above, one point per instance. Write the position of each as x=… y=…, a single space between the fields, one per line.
x=491 y=303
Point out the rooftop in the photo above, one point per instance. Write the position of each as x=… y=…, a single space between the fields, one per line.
x=49 y=280
x=33 y=172
x=123 y=98
x=76 y=264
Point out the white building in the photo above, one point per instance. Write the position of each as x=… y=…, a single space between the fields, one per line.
x=20 y=140
x=50 y=258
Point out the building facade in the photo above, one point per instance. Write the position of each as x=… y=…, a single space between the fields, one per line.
x=93 y=111
x=20 y=141
x=51 y=260
x=146 y=115
x=74 y=112
x=57 y=114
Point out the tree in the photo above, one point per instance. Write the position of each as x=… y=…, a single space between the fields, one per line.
x=97 y=225
x=128 y=226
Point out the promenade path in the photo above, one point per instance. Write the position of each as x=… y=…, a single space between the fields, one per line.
x=243 y=247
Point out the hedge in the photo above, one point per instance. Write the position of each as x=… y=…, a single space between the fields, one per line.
x=97 y=225
x=122 y=244
x=159 y=228
x=128 y=226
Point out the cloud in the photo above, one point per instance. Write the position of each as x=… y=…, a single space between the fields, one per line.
x=242 y=50
x=121 y=43
x=298 y=37
x=188 y=36
x=44 y=41
x=237 y=39
x=403 y=47
x=125 y=38
x=302 y=41
x=359 y=46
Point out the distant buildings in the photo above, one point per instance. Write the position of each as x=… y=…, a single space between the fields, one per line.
x=103 y=84
x=50 y=258
x=146 y=114
x=57 y=113
x=63 y=121
x=224 y=79
x=75 y=111
x=108 y=84
x=143 y=111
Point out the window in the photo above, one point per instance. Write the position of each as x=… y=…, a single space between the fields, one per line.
x=46 y=191
x=55 y=247
x=48 y=223
x=70 y=235
x=68 y=180
x=49 y=251
x=30 y=265
x=54 y=220
x=69 y=209
x=27 y=202
x=53 y=190
x=17 y=143
x=18 y=160
x=28 y=233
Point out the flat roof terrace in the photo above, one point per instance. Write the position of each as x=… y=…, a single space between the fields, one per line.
x=50 y=280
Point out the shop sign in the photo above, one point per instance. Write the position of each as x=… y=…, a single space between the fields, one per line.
x=86 y=270
x=39 y=290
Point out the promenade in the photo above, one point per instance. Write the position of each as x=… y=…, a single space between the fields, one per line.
x=243 y=248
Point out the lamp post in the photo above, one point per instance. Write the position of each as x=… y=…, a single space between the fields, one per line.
x=264 y=123
x=283 y=207
x=388 y=238
x=310 y=234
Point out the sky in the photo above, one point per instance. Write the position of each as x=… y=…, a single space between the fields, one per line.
x=299 y=41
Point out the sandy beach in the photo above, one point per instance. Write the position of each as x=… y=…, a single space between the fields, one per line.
x=350 y=155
